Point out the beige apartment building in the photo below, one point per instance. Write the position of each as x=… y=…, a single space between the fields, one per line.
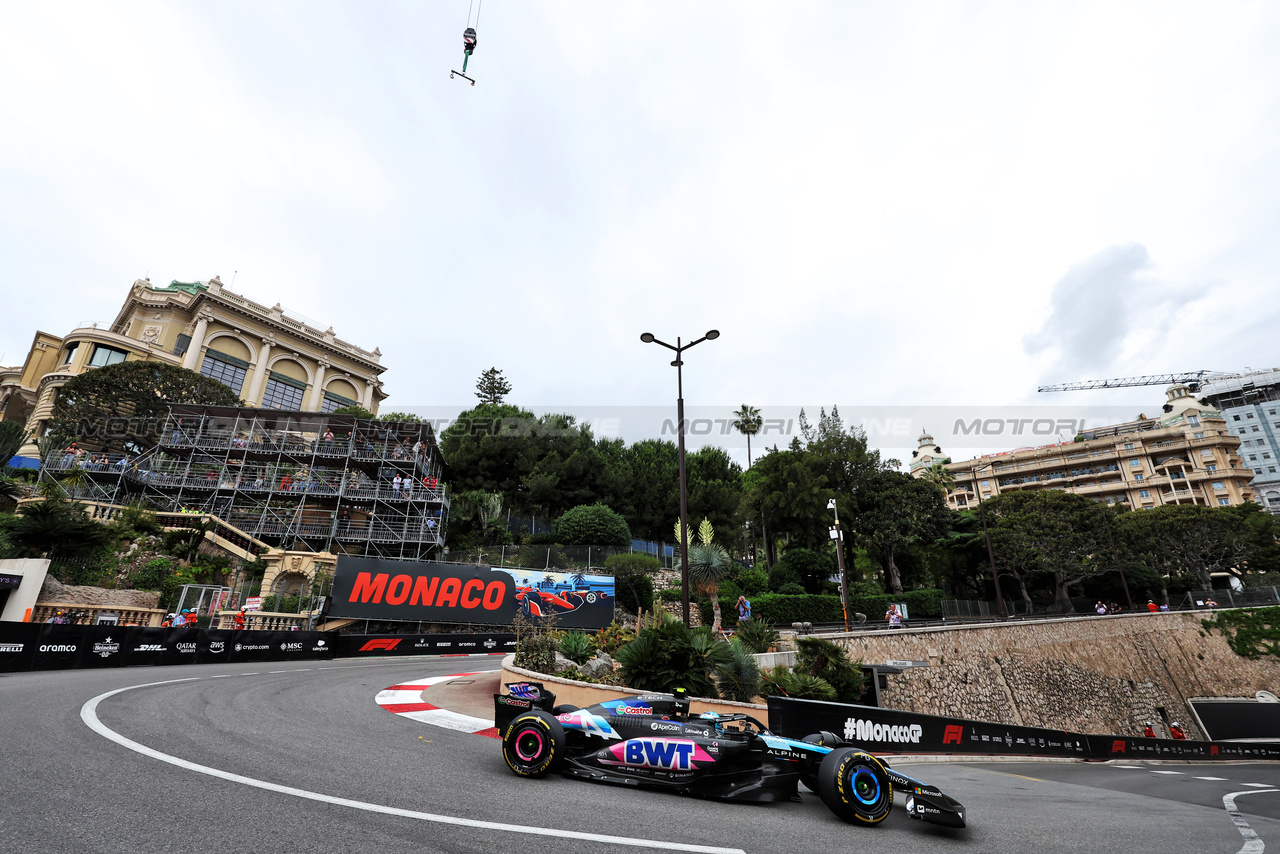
x=1185 y=456
x=269 y=358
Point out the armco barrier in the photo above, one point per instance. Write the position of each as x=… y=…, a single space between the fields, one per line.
x=365 y=646
x=885 y=731
x=51 y=646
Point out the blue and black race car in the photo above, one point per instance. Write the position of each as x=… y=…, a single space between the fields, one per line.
x=651 y=740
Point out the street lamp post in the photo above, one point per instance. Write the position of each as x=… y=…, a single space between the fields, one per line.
x=838 y=535
x=678 y=364
x=991 y=555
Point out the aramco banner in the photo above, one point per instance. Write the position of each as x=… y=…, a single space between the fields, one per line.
x=378 y=589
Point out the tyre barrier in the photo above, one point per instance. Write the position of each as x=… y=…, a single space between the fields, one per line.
x=888 y=731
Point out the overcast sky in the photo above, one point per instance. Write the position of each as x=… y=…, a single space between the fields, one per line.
x=877 y=204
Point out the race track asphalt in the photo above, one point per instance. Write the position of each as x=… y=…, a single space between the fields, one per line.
x=315 y=729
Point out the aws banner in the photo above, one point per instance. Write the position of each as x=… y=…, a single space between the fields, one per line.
x=378 y=589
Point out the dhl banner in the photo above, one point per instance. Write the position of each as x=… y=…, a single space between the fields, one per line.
x=377 y=589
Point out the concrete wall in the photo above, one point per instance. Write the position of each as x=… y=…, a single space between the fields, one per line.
x=23 y=599
x=1093 y=674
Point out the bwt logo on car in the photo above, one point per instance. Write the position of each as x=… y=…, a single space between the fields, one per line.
x=380 y=643
x=859 y=730
x=656 y=753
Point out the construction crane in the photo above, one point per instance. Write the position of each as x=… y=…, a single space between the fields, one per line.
x=1191 y=379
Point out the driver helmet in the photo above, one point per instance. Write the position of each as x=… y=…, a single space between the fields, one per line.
x=713 y=719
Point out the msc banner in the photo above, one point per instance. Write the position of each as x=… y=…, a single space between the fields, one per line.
x=375 y=589
x=891 y=731
x=364 y=646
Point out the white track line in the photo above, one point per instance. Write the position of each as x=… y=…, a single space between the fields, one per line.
x=1215 y=779
x=1166 y=772
x=89 y=714
x=1253 y=843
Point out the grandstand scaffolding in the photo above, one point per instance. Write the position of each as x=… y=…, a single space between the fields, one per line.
x=291 y=480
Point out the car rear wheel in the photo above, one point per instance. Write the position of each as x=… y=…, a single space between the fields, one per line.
x=564 y=709
x=855 y=786
x=534 y=744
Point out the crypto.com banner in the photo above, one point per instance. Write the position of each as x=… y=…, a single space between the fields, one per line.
x=376 y=589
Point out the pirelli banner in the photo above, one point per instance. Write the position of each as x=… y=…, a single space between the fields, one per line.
x=377 y=589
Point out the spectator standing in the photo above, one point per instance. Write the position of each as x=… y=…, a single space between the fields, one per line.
x=1152 y=606
x=894 y=617
x=328 y=439
x=395 y=485
x=1100 y=608
x=744 y=609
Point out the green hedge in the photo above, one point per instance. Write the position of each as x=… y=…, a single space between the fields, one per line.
x=775 y=608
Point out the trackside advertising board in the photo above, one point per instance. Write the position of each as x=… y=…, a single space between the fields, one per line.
x=883 y=731
x=376 y=589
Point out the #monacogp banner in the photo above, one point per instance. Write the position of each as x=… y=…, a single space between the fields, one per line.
x=378 y=589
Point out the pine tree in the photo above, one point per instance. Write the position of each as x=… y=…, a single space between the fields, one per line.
x=492 y=387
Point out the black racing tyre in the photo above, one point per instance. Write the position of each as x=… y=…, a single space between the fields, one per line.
x=534 y=744
x=825 y=739
x=854 y=786
x=564 y=709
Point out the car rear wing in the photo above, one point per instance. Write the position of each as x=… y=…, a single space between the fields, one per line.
x=520 y=697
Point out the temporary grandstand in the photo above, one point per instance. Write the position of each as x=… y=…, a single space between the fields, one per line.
x=291 y=480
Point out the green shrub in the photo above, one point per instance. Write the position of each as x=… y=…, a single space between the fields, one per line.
x=810 y=568
x=821 y=658
x=781 y=574
x=577 y=647
x=633 y=561
x=670 y=655
x=673 y=594
x=756 y=635
x=537 y=650
x=633 y=581
x=152 y=574
x=751 y=581
x=781 y=682
x=792 y=589
x=613 y=636
x=738 y=678
x=593 y=525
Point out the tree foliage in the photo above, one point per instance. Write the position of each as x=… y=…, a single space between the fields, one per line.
x=895 y=510
x=592 y=525
x=13 y=435
x=492 y=388
x=109 y=406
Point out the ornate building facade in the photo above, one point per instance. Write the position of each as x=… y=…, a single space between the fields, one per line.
x=1186 y=456
x=269 y=358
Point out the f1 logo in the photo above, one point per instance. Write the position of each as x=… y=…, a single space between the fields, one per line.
x=952 y=734
x=1213 y=750
x=1117 y=746
x=380 y=643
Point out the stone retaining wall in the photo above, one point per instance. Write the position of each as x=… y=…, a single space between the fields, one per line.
x=1093 y=674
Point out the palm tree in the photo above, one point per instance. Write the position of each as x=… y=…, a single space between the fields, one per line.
x=709 y=564
x=747 y=421
x=938 y=475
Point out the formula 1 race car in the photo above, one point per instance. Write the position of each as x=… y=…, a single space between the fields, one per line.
x=651 y=740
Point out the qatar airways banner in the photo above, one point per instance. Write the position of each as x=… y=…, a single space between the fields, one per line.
x=379 y=589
